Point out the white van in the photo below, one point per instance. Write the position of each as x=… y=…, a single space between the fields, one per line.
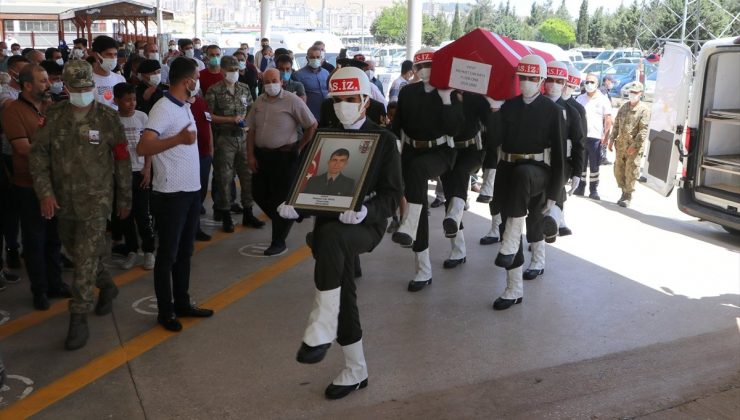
x=696 y=120
x=386 y=56
x=552 y=49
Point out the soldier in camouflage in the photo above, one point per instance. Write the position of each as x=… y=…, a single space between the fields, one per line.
x=629 y=134
x=74 y=157
x=229 y=101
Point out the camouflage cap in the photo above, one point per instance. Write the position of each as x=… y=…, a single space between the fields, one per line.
x=78 y=74
x=636 y=86
x=229 y=61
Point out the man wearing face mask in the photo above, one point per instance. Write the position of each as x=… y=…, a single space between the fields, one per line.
x=79 y=50
x=229 y=101
x=376 y=93
x=198 y=49
x=375 y=111
x=212 y=73
x=187 y=49
x=337 y=240
x=41 y=244
x=247 y=72
x=324 y=64
x=273 y=148
x=541 y=229
x=53 y=54
x=426 y=120
x=629 y=133
x=314 y=79
x=105 y=50
x=151 y=50
x=530 y=174
x=54 y=71
x=85 y=141
x=370 y=71
x=149 y=90
x=4 y=54
x=172 y=51
x=170 y=138
x=258 y=53
x=599 y=118
x=285 y=65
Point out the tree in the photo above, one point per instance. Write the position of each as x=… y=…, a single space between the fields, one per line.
x=435 y=30
x=582 y=25
x=507 y=23
x=456 y=27
x=556 y=31
x=597 y=29
x=539 y=12
x=562 y=13
x=390 y=27
x=480 y=16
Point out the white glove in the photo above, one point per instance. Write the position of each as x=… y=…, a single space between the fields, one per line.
x=548 y=206
x=574 y=183
x=287 y=212
x=351 y=217
x=494 y=104
x=445 y=94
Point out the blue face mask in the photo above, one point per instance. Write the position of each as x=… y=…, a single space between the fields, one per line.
x=215 y=61
x=285 y=75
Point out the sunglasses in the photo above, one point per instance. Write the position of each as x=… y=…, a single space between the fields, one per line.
x=635 y=92
x=590 y=83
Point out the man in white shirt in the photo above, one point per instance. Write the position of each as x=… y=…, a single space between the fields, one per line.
x=407 y=72
x=187 y=48
x=105 y=51
x=599 y=118
x=170 y=138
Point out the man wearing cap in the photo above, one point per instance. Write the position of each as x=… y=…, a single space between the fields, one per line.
x=426 y=121
x=529 y=174
x=149 y=90
x=375 y=111
x=599 y=119
x=229 y=102
x=105 y=50
x=84 y=141
x=629 y=134
x=337 y=240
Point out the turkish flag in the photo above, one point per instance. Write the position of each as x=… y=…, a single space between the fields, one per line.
x=313 y=167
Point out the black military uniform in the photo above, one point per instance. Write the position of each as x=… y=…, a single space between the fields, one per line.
x=456 y=182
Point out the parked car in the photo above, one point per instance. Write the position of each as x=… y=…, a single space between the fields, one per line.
x=383 y=56
x=626 y=60
x=589 y=53
x=575 y=56
x=695 y=119
x=623 y=74
x=611 y=55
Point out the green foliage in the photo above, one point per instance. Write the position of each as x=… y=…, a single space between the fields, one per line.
x=582 y=25
x=390 y=27
x=434 y=30
x=480 y=16
x=556 y=31
x=597 y=29
x=562 y=13
x=539 y=12
x=456 y=26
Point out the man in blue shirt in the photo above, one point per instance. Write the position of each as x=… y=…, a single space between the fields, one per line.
x=314 y=79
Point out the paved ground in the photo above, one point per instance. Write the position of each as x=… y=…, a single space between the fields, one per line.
x=637 y=315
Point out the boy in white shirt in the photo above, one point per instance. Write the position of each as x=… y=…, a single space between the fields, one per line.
x=105 y=52
x=134 y=123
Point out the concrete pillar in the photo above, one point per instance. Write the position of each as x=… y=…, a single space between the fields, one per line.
x=198 y=29
x=265 y=18
x=413 y=39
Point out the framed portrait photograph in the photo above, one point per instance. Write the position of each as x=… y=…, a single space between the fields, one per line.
x=332 y=175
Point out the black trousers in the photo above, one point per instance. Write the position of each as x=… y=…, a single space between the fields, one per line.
x=456 y=182
x=335 y=246
x=41 y=244
x=520 y=190
x=592 y=161
x=9 y=218
x=140 y=218
x=270 y=187
x=177 y=222
x=419 y=166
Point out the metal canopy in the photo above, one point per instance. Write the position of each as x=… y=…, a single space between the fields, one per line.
x=113 y=10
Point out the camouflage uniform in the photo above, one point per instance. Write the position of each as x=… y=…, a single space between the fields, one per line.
x=74 y=160
x=630 y=130
x=230 y=145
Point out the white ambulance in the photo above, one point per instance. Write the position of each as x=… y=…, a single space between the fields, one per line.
x=695 y=121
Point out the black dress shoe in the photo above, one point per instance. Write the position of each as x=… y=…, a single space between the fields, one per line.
x=504 y=261
x=170 y=323
x=415 y=286
x=436 y=203
x=227 y=225
x=500 y=304
x=580 y=192
x=202 y=236
x=275 y=249
x=12 y=258
x=483 y=198
x=217 y=217
x=564 y=231
x=402 y=239
x=450 y=227
x=489 y=240
x=248 y=219
x=237 y=208
x=61 y=293
x=335 y=392
x=532 y=274
x=549 y=228
x=194 y=312
x=310 y=355
x=450 y=263
x=41 y=302
x=594 y=196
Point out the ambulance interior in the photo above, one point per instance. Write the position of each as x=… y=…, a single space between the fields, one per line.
x=719 y=136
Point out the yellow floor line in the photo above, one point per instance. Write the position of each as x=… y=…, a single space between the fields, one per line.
x=31 y=319
x=101 y=366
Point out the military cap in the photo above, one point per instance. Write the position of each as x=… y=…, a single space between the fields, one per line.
x=229 y=61
x=149 y=66
x=78 y=74
x=635 y=86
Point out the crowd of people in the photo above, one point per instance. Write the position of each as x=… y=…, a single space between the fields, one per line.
x=103 y=139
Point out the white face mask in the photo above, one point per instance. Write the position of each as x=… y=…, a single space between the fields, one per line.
x=60 y=61
x=529 y=89
x=231 y=77
x=347 y=112
x=567 y=93
x=370 y=74
x=424 y=74
x=81 y=99
x=273 y=89
x=155 y=79
x=57 y=87
x=154 y=56
x=195 y=89
x=190 y=53
x=197 y=46
x=17 y=52
x=141 y=53
x=78 y=53
x=554 y=90
x=242 y=65
x=590 y=88
x=173 y=47
x=635 y=97
x=108 y=64
x=314 y=63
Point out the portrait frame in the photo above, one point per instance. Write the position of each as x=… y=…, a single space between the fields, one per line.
x=361 y=146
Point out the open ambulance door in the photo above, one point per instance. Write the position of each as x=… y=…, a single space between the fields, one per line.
x=668 y=118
